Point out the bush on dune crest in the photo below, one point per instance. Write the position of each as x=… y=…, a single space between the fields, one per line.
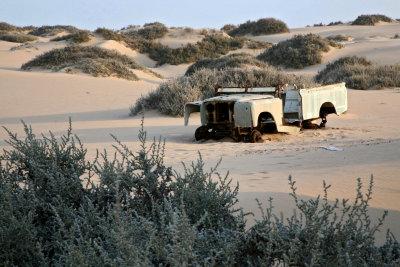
x=17 y=37
x=92 y=60
x=77 y=38
x=141 y=213
x=210 y=46
x=298 y=52
x=360 y=73
x=171 y=96
x=371 y=20
x=259 y=27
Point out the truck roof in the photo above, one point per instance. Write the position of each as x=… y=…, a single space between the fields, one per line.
x=238 y=97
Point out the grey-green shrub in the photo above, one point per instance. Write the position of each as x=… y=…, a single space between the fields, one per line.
x=52 y=30
x=240 y=60
x=92 y=60
x=298 y=52
x=151 y=31
x=77 y=38
x=17 y=37
x=260 y=27
x=370 y=20
x=360 y=73
x=210 y=46
x=142 y=212
x=170 y=97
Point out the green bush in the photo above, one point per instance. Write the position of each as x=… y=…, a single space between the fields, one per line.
x=360 y=73
x=335 y=23
x=171 y=96
x=253 y=44
x=371 y=20
x=228 y=27
x=298 y=52
x=151 y=31
x=4 y=26
x=241 y=60
x=210 y=46
x=142 y=213
x=340 y=38
x=17 y=37
x=76 y=38
x=53 y=30
x=260 y=27
x=93 y=60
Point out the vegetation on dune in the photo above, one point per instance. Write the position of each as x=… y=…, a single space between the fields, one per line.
x=171 y=96
x=142 y=212
x=92 y=60
x=254 y=44
x=298 y=52
x=241 y=60
x=334 y=23
x=371 y=20
x=360 y=73
x=259 y=27
x=151 y=31
x=340 y=38
x=16 y=37
x=211 y=46
x=53 y=30
x=76 y=38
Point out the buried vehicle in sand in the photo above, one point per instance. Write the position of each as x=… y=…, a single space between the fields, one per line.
x=246 y=113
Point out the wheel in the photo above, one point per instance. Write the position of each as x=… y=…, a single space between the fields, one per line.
x=201 y=133
x=255 y=136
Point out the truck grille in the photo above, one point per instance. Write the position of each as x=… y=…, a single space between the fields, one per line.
x=220 y=112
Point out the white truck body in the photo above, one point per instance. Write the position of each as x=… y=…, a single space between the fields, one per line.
x=240 y=111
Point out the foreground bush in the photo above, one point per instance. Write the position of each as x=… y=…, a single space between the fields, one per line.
x=371 y=20
x=17 y=37
x=360 y=73
x=141 y=213
x=90 y=59
x=241 y=60
x=259 y=27
x=171 y=96
x=298 y=52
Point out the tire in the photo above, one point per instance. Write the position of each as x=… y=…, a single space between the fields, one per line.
x=255 y=136
x=201 y=133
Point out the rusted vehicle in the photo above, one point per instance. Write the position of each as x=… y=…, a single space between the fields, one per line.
x=246 y=113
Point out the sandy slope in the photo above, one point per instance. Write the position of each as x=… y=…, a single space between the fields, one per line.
x=368 y=132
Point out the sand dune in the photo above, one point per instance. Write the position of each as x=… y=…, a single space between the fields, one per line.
x=368 y=132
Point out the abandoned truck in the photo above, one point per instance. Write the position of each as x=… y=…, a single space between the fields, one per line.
x=246 y=113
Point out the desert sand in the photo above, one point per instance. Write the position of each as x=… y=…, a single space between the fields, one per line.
x=369 y=133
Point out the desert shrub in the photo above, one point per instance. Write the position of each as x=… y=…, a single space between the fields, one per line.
x=241 y=60
x=77 y=38
x=170 y=97
x=111 y=35
x=210 y=46
x=333 y=23
x=142 y=212
x=371 y=20
x=339 y=38
x=228 y=27
x=151 y=31
x=298 y=52
x=260 y=27
x=319 y=25
x=52 y=30
x=254 y=44
x=104 y=62
x=321 y=234
x=396 y=36
x=17 y=37
x=4 y=26
x=360 y=73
